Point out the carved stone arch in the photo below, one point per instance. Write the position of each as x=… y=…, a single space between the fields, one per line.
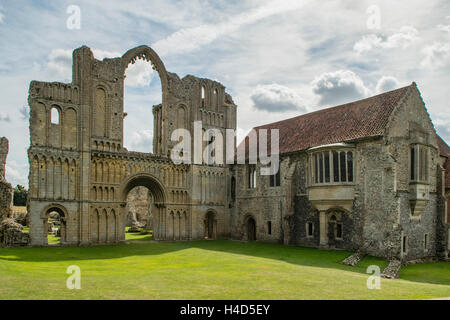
x=60 y=112
x=64 y=216
x=55 y=130
x=55 y=207
x=38 y=114
x=70 y=125
x=75 y=97
x=210 y=224
x=203 y=86
x=182 y=116
x=148 y=54
x=147 y=180
x=94 y=193
x=338 y=211
x=249 y=227
x=100 y=112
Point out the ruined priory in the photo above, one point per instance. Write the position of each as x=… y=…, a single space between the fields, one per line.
x=369 y=176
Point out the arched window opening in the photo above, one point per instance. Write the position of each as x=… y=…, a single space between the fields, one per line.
x=54 y=116
x=216 y=98
x=142 y=104
x=203 y=94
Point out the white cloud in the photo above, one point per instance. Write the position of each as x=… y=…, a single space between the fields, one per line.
x=387 y=83
x=436 y=55
x=334 y=88
x=141 y=140
x=276 y=98
x=101 y=54
x=402 y=39
x=444 y=28
x=189 y=39
x=5 y=117
x=25 y=112
x=14 y=173
x=60 y=64
x=139 y=74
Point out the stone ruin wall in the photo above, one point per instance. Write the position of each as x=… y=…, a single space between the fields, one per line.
x=11 y=233
x=6 y=190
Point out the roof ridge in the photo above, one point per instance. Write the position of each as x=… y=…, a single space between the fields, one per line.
x=338 y=106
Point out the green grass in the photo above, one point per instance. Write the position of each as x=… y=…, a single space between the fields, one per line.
x=52 y=239
x=144 y=269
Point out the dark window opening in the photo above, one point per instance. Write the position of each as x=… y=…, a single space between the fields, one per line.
x=310 y=229
x=269 y=227
x=343 y=167
x=339 y=230
x=275 y=179
x=350 y=166
x=316 y=167
x=327 y=167
x=321 y=167
x=413 y=163
x=336 y=166
x=405 y=242
x=233 y=188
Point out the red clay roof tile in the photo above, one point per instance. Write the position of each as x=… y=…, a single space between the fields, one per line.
x=351 y=121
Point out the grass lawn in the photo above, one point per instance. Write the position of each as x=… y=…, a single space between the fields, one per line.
x=143 y=269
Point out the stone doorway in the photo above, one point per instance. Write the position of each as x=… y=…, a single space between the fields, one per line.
x=251 y=229
x=55 y=226
x=210 y=225
x=152 y=205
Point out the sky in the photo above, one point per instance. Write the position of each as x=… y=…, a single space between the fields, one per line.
x=277 y=58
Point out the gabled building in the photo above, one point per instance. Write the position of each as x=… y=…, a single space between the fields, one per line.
x=364 y=176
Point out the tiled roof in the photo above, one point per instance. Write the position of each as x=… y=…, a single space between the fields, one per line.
x=445 y=152
x=344 y=123
x=444 y=149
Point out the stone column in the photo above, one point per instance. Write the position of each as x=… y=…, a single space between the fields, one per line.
x=323 y=229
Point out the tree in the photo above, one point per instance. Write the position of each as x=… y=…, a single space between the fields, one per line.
x=20 y=196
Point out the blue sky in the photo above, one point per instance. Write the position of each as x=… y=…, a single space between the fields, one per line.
x=277 y=58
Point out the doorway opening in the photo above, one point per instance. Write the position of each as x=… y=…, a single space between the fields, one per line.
x=138 y=209
x=210 y=225
x=251 y=229
x=55 y=226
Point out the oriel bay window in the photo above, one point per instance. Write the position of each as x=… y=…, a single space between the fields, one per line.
x=332 y=166
x=419 y=163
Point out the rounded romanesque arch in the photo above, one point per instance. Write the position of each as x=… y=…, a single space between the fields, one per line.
x=248 y=228
x=161 y=223
x=210 y=224
x=63 y=214
x=145 y=180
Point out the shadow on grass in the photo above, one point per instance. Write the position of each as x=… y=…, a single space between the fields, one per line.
x=436 y=273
